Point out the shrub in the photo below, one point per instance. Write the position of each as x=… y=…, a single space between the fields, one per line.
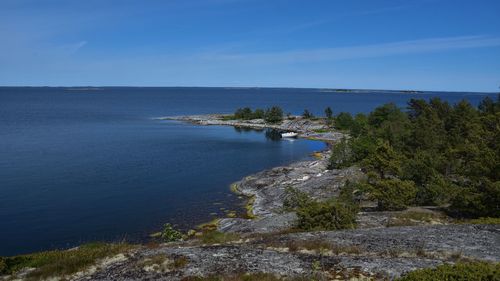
x=169 y=234
x=394 y=194
x=462 y=271
x=329 y=215
x=295 y=199
x=336 y=213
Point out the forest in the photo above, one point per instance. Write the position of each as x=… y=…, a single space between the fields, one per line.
x=430 y=154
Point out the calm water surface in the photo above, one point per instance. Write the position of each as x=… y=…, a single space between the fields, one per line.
x=78 y=166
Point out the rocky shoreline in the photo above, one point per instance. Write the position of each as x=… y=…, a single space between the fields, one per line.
x=266 y=190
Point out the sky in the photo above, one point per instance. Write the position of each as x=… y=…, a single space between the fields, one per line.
x=442 y=45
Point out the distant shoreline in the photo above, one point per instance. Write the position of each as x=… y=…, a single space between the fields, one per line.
x=323 y=90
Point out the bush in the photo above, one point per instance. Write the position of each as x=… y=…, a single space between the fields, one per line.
x=274 y=115
x=480 y=271
x=169 y=234
x=336 y=213
x=329 y=215
x=295 y=199
x=394 y=194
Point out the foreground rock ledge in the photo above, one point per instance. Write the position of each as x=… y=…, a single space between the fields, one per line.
x=380 y=253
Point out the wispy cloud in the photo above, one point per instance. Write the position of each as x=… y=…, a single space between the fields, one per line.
x=359 y=52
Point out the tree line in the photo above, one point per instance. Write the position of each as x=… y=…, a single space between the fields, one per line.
x=432 y=153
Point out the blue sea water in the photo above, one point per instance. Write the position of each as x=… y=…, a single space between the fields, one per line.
x=79 y=165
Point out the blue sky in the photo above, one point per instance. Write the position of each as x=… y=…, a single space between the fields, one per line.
x=449 y=45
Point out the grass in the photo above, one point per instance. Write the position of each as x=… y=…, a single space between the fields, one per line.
x=228 y=117
x=318 y=246
x=61 y=262
x=216 y=237
x=458 y=272
x=413 y=218
x=162 y=262
x=482 y=221
x=209 y=226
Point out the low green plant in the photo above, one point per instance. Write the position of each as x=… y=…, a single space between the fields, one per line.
x=60 y=262
x=461 y=271
x=487 y=220
x=217 y=237
x=295 y=199
x=394 y=194
x=169 y=234
x=328 y=215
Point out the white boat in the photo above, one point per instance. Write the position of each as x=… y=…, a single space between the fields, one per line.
x=289 y=135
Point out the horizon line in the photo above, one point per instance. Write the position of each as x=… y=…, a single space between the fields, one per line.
x=250 y=87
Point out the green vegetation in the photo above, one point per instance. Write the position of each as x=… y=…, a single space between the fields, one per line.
x=483 y=221
x=335 y=213
x=413 y=218
x=432 y=154
x=253 y=277
x=476 y=271
x=60 y=262
x=307 y=114
x=247 y=114
x=169 y=234
x=236 y=277
x=343 y=121
x=328 y=113
x=216 y=237
x=274 y=115
x=270 y=115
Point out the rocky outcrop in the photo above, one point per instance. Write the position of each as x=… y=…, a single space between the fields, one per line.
x=268 y=190
x=332 y=255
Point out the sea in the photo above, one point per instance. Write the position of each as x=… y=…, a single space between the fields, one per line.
x=88 y=164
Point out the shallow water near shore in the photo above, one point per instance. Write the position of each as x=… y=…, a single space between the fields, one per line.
x=84 y=165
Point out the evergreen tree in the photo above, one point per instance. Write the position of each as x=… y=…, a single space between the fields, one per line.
x=328 y=113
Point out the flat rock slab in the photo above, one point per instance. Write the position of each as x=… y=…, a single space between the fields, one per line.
x=256 y=256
